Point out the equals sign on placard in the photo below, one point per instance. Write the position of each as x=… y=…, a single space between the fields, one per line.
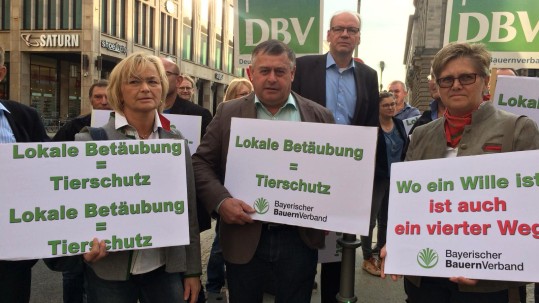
x=293 y=166
x=101 y=164
x=101 y=226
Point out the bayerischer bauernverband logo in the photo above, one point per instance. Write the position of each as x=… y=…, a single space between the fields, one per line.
x=261 y=206
x=427 y=258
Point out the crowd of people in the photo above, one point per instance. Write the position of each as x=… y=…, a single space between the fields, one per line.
x=326 y=88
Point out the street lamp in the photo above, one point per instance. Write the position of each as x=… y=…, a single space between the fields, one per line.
x=382 y=66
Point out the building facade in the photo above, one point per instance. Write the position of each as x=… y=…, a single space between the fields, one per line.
x=56 y=49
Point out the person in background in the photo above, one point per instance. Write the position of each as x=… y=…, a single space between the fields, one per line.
x=178 y=106
x=468 y=126
x=136 y=91
x=404 y=110
x=187 y=88
x=506 y=72
x=18 y=123
x=391 y=148
x=98 y=100
x=349 y=89
x=254 y=249
x=215 y=270
x=238 y=88
x=437 y=108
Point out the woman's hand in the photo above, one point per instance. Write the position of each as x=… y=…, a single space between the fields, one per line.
x=191 y=288
x=383 y=254
x=98 y=251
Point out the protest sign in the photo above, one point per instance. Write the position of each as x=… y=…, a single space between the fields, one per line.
x=464 y=216
x=409 y=123
x=56 y=197
x=518 y=95
x=305 y=174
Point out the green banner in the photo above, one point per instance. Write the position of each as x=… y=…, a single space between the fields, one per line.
x=297 y=23
x=508 y=28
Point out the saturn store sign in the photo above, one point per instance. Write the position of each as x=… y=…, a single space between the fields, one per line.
x=51 y=40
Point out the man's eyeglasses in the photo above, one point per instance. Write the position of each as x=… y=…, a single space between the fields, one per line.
x=340 y=30
x=388 y=105
x=464 y=79
x=184 y=88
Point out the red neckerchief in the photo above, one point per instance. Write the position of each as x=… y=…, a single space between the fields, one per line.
x=454 y=127
x=165 y=123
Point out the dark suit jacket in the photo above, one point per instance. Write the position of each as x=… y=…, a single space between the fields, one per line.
x=185 y=107
x=239 y=242
x=310 y=82
x=16 y=275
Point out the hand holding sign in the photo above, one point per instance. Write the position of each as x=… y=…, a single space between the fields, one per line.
x=235 y=211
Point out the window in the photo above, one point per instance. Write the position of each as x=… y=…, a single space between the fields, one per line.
x=168 y=34
x=219 y=34
x=5 y=15
x=187 y=30
x=230 y=32
x=204 y=31
x=144 y=24
x=43 y=14
x=113 y=18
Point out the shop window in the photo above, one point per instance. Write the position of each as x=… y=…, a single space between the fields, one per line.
x=43 y=84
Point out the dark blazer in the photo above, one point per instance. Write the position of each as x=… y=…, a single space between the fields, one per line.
x=186 y=107
x=16 y=276
x=239 y=242
x=382 y=167
x=71 y=128
x=25 y=122
x=310 y=82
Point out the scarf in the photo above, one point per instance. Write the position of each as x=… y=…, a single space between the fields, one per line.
x=454 y=128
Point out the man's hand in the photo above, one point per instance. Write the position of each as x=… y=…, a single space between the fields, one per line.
x=98 y=251
x=383 y=254
x=235 y=211
x=463 y=281
x=191 y=288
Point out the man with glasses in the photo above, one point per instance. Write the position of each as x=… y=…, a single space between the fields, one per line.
x=404 y=110
x=186 y=90
x=348 y=88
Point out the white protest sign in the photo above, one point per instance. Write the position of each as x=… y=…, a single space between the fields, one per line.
x=464 y=217
x=56 y=197
x=305 y=174
x=409 y=123
x=188 y=125
x=518 y=95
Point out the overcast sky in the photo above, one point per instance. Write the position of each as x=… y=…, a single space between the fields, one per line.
x=383 y=33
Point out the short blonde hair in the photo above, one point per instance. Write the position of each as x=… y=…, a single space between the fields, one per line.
x=234 y=86
x=478 y=53
x=127 y=68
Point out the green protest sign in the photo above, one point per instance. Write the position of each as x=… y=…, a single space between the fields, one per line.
x=508 y=29
x=296 y=23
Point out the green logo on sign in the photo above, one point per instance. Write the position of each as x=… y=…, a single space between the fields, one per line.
x=427 y=258
x=261 y=206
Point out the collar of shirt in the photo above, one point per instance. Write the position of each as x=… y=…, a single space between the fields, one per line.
x=6 y=133
x=341 y=93
x=121 y=124
x=288 y=112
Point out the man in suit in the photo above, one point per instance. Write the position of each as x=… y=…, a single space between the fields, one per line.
x=348 y=88
x=176 y=105
x=253 y=249
x=98 y=100
x=18 y=123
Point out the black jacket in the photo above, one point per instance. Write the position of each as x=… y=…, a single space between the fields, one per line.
x=381 y=168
